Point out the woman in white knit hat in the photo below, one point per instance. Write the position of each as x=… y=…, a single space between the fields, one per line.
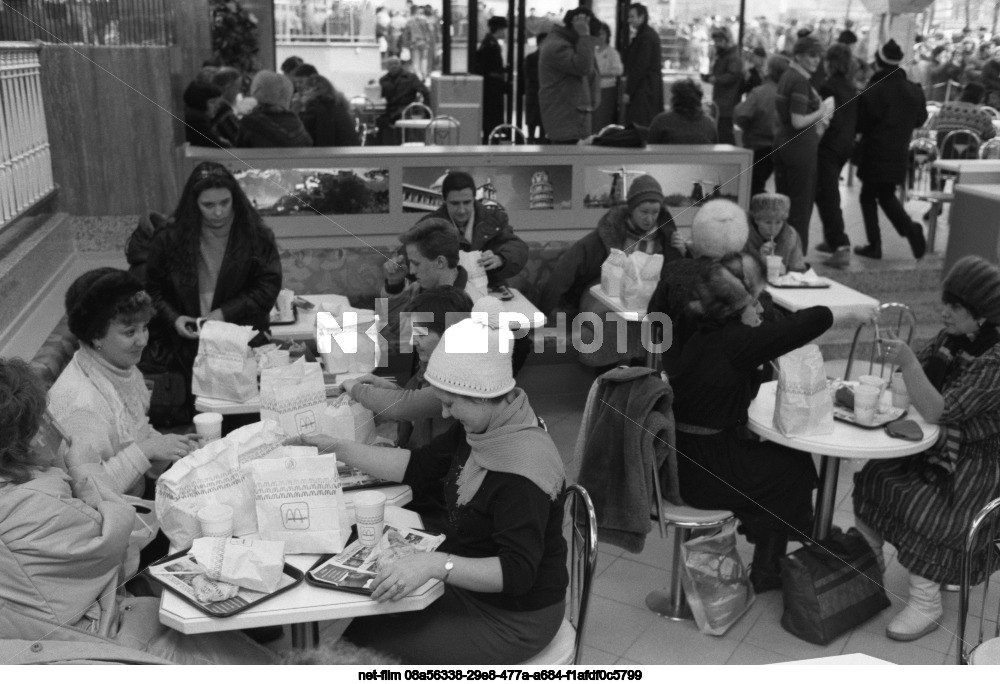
x=500 y=478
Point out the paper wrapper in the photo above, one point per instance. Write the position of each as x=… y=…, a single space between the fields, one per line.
x=208 y=590
x=252 y=564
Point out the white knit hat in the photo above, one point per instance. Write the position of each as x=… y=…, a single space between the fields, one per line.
x=719 y=227
x=470 y=360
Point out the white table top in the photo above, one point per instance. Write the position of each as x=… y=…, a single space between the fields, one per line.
x=522 y=305
x=846 y=440
x=616 y=305
x=842 y=300
x=961 y=165
x=416 y=124
x=304 y=603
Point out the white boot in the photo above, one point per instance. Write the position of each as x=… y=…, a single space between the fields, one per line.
x=922 y=612
x=874 y=540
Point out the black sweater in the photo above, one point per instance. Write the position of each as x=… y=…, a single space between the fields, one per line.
x=509 y=517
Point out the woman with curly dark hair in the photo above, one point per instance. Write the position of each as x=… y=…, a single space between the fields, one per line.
x=685 y=123
x=326 y=114
x=214 y=259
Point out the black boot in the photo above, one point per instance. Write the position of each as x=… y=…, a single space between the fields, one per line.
x=765 y=572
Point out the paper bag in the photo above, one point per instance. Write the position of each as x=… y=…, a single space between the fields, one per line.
x=294 y=396
x=640 y=274
x=611 y=272
x=300 y=501
x=803 y=405
x=347 y=419
x=477 y=274
x=346 y=341
x=249 y=563
x=225 y=368
x=257 y=440
x=210 y=475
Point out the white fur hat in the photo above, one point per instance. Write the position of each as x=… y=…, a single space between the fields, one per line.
x=469 y=360
x=719 y=227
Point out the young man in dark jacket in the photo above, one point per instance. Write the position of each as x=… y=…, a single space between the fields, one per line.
x=726 y=79
x=888 y=112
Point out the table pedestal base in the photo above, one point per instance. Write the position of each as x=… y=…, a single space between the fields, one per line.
x=663 y=604
x=305 y=635
x=829 y=470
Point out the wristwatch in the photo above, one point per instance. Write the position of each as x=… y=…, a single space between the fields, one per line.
x=448 y=565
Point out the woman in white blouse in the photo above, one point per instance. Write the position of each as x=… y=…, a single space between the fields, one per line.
x=609 y=65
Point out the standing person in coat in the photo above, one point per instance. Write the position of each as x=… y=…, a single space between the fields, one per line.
x=726 y=78
x=214 y=259
x=489 y=64
x=532 y=108
x=756 y=118
x=643 y=69
x=569 y=83
x=834 y=150
x=888 y=112
x=796 y=141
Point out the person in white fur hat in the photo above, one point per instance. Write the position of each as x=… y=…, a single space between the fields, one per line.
x=501 y=479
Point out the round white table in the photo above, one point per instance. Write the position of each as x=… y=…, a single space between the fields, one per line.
x=846 y=441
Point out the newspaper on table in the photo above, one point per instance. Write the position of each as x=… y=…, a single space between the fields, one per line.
x=354 y=569
x=179 y=575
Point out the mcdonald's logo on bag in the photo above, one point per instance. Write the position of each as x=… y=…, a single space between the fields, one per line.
x=295 y=515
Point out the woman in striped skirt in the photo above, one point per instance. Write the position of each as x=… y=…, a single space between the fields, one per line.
x=924 y=505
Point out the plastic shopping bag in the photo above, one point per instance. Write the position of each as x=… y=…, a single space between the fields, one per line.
x=715 y=581
x=803 y=405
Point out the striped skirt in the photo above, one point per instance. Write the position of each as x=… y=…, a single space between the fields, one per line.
x=928 y=523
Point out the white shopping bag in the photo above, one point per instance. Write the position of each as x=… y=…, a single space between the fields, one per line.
x=347 y=419
x=300 y=501
x=225 y=367
x=611 y=272
x=803 y=404
x=210 y=475
x=477 y=274
x=294 y=396
x=640 y=275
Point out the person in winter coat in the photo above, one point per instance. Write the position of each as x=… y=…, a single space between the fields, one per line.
x=834 y=150
x=643 y=69
x=66 y=550
x=569 y=82
x=489 y=65
x=889 y=110
x=642 y=224
x=686 y=122
x=756 y=118
x=326 y=114
x=726 y=78
x=481 y=228
x=924 y=505
x=399 y=88
x=272 y=123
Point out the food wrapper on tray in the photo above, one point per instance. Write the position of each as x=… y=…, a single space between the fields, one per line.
x=208 y=590
x=249 y=563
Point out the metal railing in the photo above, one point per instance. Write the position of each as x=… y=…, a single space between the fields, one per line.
x=25 y=162
x=324 y=21
x=88 y=22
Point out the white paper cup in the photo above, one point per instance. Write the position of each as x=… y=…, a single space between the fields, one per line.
x=865 y=402
x=208 y=426
x=216 y=520
x=773 y=267
x=369 y=513
x=284 y=303
x=879 y=384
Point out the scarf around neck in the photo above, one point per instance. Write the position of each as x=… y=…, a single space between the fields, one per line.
x=124 y=390
x=512 y=443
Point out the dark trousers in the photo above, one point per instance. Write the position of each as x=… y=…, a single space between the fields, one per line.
x=763 y=167
x=795 y=176
x=875 y=195
x=725 y=129
x=828 y=169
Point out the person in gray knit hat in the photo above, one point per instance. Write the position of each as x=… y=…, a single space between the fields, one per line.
x=500 y=478
x=924 y=505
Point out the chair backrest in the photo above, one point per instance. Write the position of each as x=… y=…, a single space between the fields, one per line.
x=990 y=149
x=609 y=128
x=363 y=111
x=582 y=559
x=981 y=538
x=994 y=114
x=417 y=110
x=496 y=136
x=441 y=129
x=892 y=317
x=960 y=144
